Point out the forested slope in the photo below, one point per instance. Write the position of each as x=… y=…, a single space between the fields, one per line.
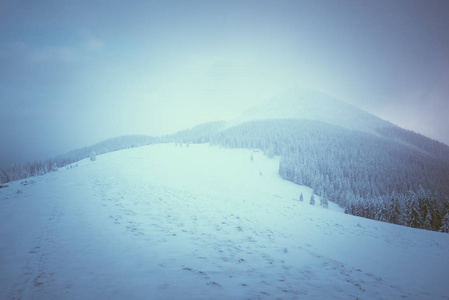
x=369 y=175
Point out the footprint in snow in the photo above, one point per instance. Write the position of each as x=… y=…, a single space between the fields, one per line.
x=214 y=284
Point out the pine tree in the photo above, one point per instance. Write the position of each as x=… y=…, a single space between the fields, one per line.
x=370 y=209
x=394 y=210
x=428 y=221
x=412 y=214
x=428 y=209
x=445 y=220
x=312 y=200
x=301 y=198
x=323 y=200
x=434 y=211
x=445 y=224
x=381 y=214
x=359 y=209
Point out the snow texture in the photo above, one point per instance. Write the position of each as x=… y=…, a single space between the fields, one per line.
x=201 y=222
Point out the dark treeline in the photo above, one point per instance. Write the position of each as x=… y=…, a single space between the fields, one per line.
x=22 y=171
x=353 y=169
x=421 y=209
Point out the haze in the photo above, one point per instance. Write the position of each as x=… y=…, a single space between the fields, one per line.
x=73 y=73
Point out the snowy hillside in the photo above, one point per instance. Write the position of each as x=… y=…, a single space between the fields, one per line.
x=201 y=222
x=312 y=105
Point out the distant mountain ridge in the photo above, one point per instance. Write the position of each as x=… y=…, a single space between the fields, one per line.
x=316 y=106
x=304 y=104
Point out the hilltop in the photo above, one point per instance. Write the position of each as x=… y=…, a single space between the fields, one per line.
x=307 y=104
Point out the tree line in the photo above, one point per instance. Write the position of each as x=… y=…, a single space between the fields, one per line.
x=357 y=170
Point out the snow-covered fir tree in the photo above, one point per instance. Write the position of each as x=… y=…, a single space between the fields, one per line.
x=312 y=200
x=381 y=214
x=412 y=212
x=445 y=224
x=445 y=221
x=323 y=200
x=428 y=221
x=394 y=212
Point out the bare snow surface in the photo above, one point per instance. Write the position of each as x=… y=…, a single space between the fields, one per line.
x=200 y=222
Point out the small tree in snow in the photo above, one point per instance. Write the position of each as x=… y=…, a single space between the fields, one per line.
x=312 y=200
x=301 y=198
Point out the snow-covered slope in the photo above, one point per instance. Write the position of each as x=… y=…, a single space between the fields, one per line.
x=311 y=105
x=200 y=222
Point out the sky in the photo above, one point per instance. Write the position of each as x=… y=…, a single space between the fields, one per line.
x=74 y=73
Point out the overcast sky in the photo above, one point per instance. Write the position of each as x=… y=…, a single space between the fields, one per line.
x=73 y=73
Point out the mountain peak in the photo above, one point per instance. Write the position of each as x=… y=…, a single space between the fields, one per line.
x=307 y=104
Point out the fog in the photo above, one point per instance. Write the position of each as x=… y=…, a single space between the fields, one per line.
x=76 y=73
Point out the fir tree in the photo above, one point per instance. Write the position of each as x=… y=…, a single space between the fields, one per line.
x=394 y=210
x=301 y=198
x=428 y=221
x=312 y=200
x=381 y=214
x=359 y=209
x=445 y=220
x=323 y=200
x=435 y=213
x=412 y=213
x=445 y=224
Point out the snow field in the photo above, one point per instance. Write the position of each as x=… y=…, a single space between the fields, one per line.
x=200 y=222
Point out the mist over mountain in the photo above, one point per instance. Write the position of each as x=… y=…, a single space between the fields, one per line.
x=366 y=165
x=307 y=104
